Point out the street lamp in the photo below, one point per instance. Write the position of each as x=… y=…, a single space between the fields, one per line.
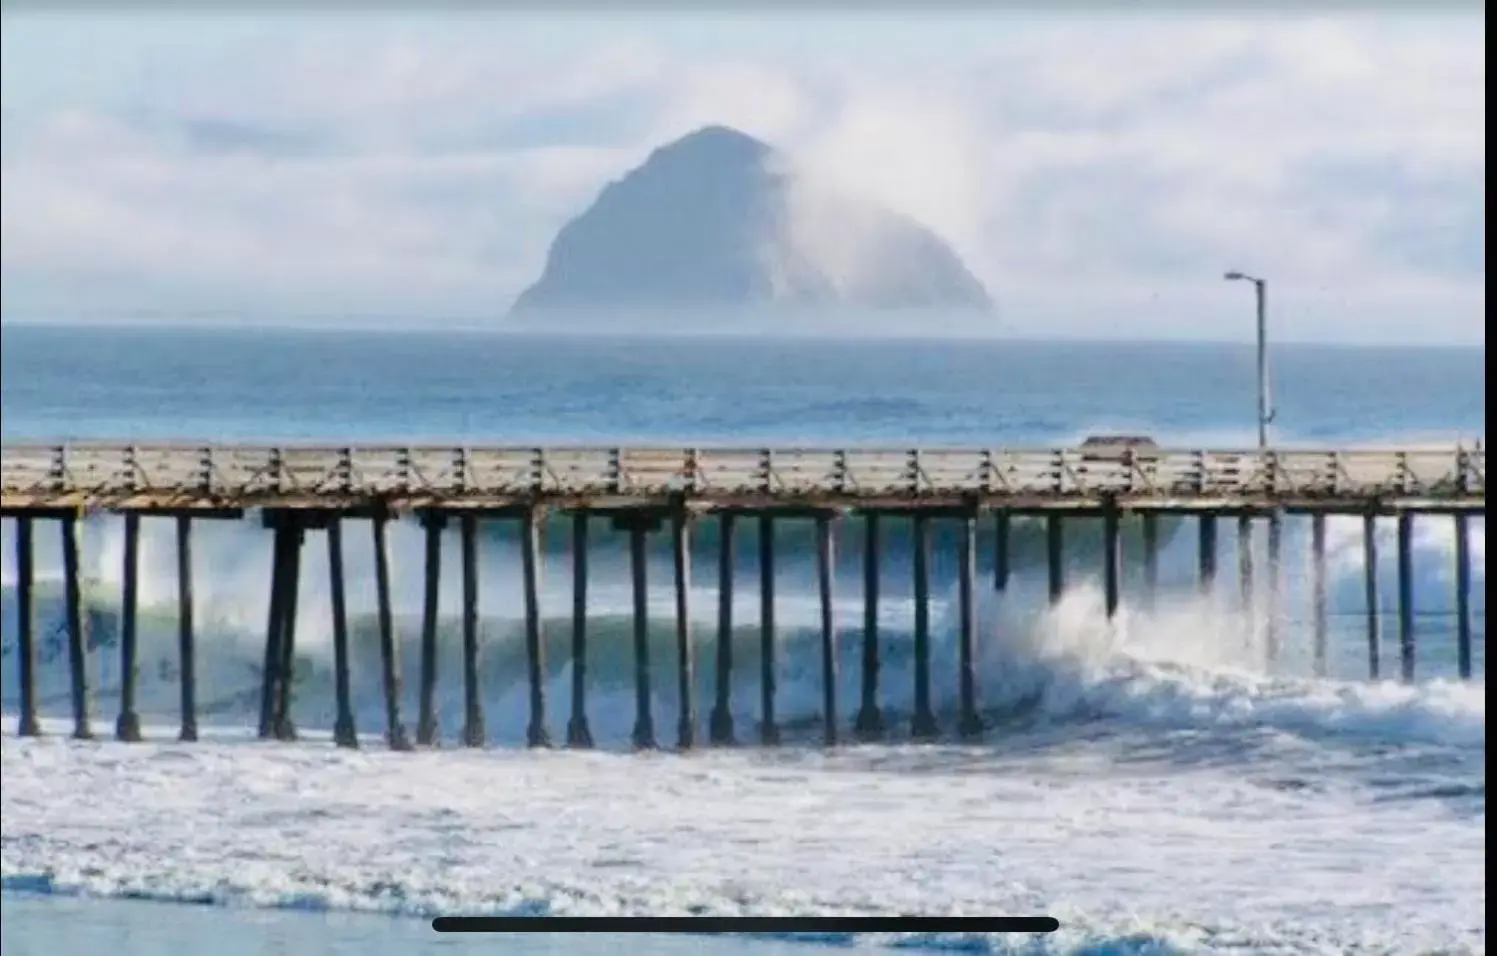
x=1265 y=414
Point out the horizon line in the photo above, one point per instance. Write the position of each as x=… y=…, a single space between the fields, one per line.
x=410 y=327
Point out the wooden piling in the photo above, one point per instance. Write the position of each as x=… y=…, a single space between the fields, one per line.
x=345 y=730
x=536 y=734
x=1150 y=547
x=769 y=731
x=1206 y=525
x=27 y=725
x=923 y=724
x=77 y=640
x=1245 y=576
x=969 y=723
x=870 y=722
x=389 y=643
x=1275 y=585
x=474 y=733
x=1111 y=559
x=1055 y=556
x=825 y=579
x=285 y=727
x=578 y=733
x=720 y=729
x=185 y=636
x=1463 y=595
x=1370 y=590
x=270 y=674
x=127 y=727
x=1318 y=592
x=428 y=728
x=1000 y=551
x=681 y=546
x=644 y=721
x=1406 y=595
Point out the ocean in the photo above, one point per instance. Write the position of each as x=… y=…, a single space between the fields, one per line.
x=1154 y=784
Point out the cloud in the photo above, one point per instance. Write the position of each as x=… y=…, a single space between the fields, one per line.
x=920 y=156
x=1095 y=176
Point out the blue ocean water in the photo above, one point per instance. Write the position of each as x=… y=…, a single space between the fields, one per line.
x=261 y=384
x=1162 y=795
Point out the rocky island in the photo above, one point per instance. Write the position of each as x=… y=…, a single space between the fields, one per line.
x=717 y=221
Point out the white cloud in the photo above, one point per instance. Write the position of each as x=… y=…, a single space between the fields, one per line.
x=769 y=101
x=921 y=156
x=1097 y=177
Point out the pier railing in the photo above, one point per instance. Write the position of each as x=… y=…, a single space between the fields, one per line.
x=172 y=475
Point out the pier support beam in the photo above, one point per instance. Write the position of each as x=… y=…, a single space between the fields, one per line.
x=1000 y=551
x=1206 y=525
x=77 y=639
x=1275 y=585
x=685 y=677
x=923 y=725
x=826 y=578
x=644 y=721
x=1406 y=595
x=1318 y=592
x=1151 y=559
x=185 y=636
x=1245 y=577
x=769 y=730
x=345 y=731
x=270 y=675
x=578 y=733
x=870 y=722
x=1463 y=595
x=536 y=734
x=1370 y=589
x=1055 y=555
x=1111 y=560
x=389 y=640
x=473 y=725
x=127 y=727
x=27 y=724
x=285 y=727
x=969 y=723
x=428 y=730
x=720 y=729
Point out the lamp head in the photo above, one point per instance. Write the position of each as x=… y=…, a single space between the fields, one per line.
x=1234 y=276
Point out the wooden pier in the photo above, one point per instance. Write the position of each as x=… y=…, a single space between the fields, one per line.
x=644 y=490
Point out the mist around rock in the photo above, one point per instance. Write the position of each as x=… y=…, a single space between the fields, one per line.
x=720 y=225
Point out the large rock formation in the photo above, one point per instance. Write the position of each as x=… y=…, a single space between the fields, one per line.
x=716 y=221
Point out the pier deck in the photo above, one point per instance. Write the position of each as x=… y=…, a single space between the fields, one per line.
x=154 y=477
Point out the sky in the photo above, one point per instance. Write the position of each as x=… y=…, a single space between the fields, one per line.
x=1098 y=171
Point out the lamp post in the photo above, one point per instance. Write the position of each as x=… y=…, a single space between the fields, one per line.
x=1265 y=414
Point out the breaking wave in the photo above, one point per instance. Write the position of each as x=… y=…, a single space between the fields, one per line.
x=1190 y=660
